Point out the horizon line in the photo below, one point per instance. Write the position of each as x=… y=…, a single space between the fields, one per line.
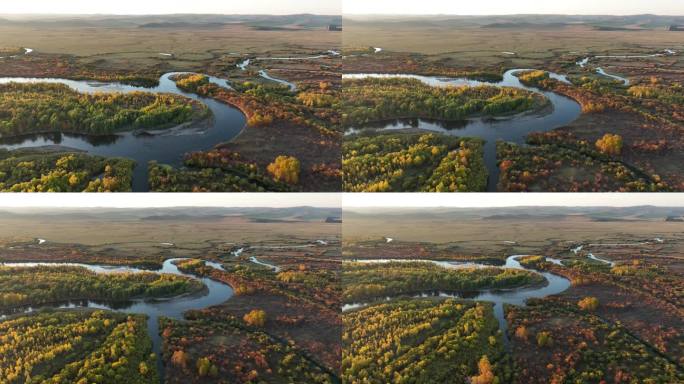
x=515 y=206
x=164 y=207
x=166 y=14
x=511 y=14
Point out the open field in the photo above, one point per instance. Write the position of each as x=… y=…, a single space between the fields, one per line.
x=482 y=43
x=89 y=238
x=616 y=273
x=156 y=226
x=475 y=235
x=191 y=34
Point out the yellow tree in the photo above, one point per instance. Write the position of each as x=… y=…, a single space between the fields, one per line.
x=610 y=144
x=255 y=318
x=285 y=169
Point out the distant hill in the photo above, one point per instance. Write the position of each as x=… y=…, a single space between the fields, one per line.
x=181 y=24
x=599 y=22
x=637 y=213
x=167 y=217
x=525 y=25
x=267 y=28
x=185 y=21
x=307 y=214
x=525 y=216
x=608 y=28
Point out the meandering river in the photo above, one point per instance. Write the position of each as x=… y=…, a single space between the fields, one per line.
x=584 y=62
x=264 y=74
x=164 y=146
x=555 y=285
x=167 y=147
x=514 y=129
x=215 y=294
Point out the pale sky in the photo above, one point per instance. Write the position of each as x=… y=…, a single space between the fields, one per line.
x=468 y=200
x=156 y=7
x=156 y=200
x=506 y=7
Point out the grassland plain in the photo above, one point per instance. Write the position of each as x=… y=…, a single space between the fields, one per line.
x=480 y=43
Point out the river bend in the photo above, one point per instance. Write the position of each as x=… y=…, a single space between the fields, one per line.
x=168 y=147
x=514 y=129
x=555 y=285
x=216 y=293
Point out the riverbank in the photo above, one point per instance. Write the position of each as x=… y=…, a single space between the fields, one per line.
x=168 y=149
x=31 y=100
x=311 y=134
x=515 y=130
x=125 y=285
x=391 y=92
x=174 y=308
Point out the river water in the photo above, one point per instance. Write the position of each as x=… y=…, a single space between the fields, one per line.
x=215 y=294
x=273 y=267
x=584 y=62
x=555 y=285
x=167 y=148
x=514 y=129
x=264 y=74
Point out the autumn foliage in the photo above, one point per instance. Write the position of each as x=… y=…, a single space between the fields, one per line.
x=610 y=144
x=588 y=304
x=255 y=318
x=285 y=169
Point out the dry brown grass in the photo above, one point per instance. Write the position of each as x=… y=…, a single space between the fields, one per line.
x=138 y=234
x=488 y=236
x=187 y=43
x=475 y=46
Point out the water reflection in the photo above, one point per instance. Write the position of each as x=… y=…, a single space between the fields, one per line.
x=174 y=308
x=167 y=148
x=554 y=285
x=513 y=129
